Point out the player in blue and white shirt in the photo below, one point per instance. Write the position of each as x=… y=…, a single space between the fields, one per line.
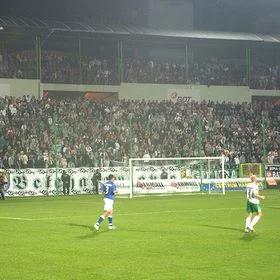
x=109 y=190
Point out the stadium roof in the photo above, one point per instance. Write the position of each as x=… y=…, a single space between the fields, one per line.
x=26 y=24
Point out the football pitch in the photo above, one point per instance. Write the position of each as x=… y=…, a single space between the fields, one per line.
x=167 y=237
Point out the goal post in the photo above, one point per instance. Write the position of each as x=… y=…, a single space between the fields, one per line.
x=176 y=175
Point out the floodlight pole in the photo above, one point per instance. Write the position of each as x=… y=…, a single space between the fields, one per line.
x=223 y=174
x=263 y=125
x=39 y=63
x=186 y=63
x=263 y=135
x=39 y=45
x=120 y=60
x=56 y=152
x=248 y=66
x=80 y=61
x=199 y=146
x=130 y=133
x=131 y=137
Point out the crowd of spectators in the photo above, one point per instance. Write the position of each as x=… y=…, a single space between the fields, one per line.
x=37 y=133
x=265 y=76
x=212 y=72
x=216 y=72
x=17 y=65
x=141 y=71
x=58 y=67
x=63 y=67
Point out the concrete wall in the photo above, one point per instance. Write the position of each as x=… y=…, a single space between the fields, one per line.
x=19 y=87
x=198 y=93
x=140 y=91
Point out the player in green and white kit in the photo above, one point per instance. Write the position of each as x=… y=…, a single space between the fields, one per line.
x=253 y=204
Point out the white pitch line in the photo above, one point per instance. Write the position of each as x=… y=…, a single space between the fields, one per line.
x=178 y=211
x=16 y=218
x=124 y=214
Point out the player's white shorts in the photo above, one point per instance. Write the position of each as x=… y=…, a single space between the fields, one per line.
x=108 y=204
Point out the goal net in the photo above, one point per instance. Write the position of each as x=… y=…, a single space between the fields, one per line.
x=176 y=175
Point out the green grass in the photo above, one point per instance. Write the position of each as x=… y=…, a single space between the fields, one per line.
x=175 y=237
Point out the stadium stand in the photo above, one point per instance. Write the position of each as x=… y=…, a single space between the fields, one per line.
x=72 y=65
x=89 y=132
x=62 y=67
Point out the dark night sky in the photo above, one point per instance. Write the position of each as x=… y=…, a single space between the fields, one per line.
x=259 y=16
x=103 y=10
x=228 y=15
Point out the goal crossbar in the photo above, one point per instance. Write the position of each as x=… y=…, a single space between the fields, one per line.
x=181 y=158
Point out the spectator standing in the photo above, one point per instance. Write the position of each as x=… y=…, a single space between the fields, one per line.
x=164 y=174
x=23 y=159
x=65 y=178
x=95 y=179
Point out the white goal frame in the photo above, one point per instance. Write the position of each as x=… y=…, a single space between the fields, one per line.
x=131 y=160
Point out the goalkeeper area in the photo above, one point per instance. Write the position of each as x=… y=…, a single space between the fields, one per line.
x=158 y=237
x=177 y=175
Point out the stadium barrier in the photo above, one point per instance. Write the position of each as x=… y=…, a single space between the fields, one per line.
x=41 y=182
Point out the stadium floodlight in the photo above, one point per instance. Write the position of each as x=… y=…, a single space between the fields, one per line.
x=1 y=28
x=177 y=175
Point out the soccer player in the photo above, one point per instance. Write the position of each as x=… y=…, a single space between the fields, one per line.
x=253 y=204
x=109 y=190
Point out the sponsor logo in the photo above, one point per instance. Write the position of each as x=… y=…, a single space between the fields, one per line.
x=149 y=185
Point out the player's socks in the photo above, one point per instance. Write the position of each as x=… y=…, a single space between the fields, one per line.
x=111 y=226
x=254 y=221
x=100 y=220
x=248 y=222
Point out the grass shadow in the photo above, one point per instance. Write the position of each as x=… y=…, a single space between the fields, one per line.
x=92 y=233
x=79 y=225
x=247 y=237
x=142 y=230
x=222 y=227
x=159 y=232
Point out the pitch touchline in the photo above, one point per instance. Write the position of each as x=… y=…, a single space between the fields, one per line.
x=124 y=214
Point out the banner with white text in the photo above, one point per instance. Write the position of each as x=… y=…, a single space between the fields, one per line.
x=42 y=182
